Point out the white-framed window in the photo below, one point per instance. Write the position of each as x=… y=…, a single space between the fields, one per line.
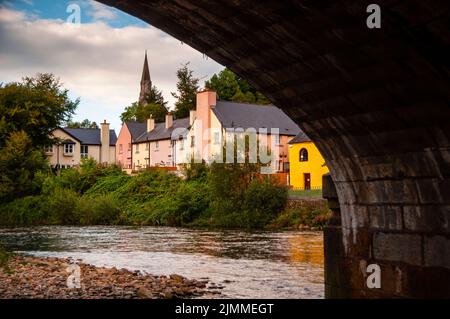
x=216 y=138
x=84 y=151
x=137 y=148
x=68 y=149
x=49 y=149
x=277 y=139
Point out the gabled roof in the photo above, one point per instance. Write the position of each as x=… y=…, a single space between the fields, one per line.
x=300 y=138
x=160 y=132
x=241 y=115
x=136 y=129
x=90 y=136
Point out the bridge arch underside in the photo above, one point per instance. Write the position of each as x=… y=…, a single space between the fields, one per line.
x=376 y=103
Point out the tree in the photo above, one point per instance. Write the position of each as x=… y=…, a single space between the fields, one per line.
x=19 y=163
x=230 y=87
x=186 y=95
x=36 y=106
x=156 y=107
x=83 y=124
x=136 y=112
x=225 y=84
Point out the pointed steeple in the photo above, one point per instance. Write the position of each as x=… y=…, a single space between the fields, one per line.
x=146 y=82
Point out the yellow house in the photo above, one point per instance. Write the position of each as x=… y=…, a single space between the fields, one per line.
x=306 y=164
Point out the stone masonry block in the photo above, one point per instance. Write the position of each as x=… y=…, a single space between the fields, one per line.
x=398 y=247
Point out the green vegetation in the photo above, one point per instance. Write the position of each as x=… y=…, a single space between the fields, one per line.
x=220 y=195
x=230 y=87
x=29 y=111
x=83 y=124
x=301 y=218
x=156 y=106
x=305 y=193
x=186 y=95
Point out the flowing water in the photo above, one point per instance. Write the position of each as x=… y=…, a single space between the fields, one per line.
x=248 y=264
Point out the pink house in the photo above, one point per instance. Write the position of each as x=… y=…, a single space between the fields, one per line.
x=129 y=132
x=154 y=147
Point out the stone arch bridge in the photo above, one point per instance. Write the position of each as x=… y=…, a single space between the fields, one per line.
x=376 y=103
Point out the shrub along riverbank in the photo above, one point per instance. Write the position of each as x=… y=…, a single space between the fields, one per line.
x=220 y=195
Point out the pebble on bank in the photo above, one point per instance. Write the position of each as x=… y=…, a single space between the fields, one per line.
x=46 y=278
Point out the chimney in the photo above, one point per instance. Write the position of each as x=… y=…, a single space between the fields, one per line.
x=150 y=124
x=104 y=139
x=206 y=99
x=192 y=114
x=169 y=120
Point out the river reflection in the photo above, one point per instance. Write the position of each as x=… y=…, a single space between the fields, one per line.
x=247 y=264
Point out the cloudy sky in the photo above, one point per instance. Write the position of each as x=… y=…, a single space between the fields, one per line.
x=99 y=60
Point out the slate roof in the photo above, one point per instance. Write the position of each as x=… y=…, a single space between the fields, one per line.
x=136 y=129
x=300 y=138
x=160 y=132
x=90 y=136
x=241 y=115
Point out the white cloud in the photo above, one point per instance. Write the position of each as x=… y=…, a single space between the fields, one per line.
x=100 y=11
x=100 y=64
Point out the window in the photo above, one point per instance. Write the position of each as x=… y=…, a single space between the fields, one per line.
x=49 y=149
x=137 y=148
x=216 y=138
x=68 y=149
x=157 y=144
x=192 y=141
x=182 y=144
x=303 y=155
x=120 y=148
x=279 y=165
x=277 y=139
x=84 y=151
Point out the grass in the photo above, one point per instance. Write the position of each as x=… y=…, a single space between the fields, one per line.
x=309 y=193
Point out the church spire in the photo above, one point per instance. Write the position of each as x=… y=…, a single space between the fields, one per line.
x=146 y=82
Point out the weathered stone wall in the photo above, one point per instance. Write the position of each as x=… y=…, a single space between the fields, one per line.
x=375 y=102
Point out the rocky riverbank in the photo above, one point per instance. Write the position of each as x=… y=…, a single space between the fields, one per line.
x=32 y=277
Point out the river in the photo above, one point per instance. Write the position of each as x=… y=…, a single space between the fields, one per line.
x=282 y=264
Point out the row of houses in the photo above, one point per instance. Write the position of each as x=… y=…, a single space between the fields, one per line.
x=214 y=131
x=201 y=137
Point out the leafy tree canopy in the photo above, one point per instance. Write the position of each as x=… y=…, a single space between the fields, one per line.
x=230 y=87
x=83 y=124
x=19 y=163
x=186 y=95
x=136 y=112
x=156 y=107
x=36 y=106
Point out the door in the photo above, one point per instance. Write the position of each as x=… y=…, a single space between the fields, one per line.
x=307 y=180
